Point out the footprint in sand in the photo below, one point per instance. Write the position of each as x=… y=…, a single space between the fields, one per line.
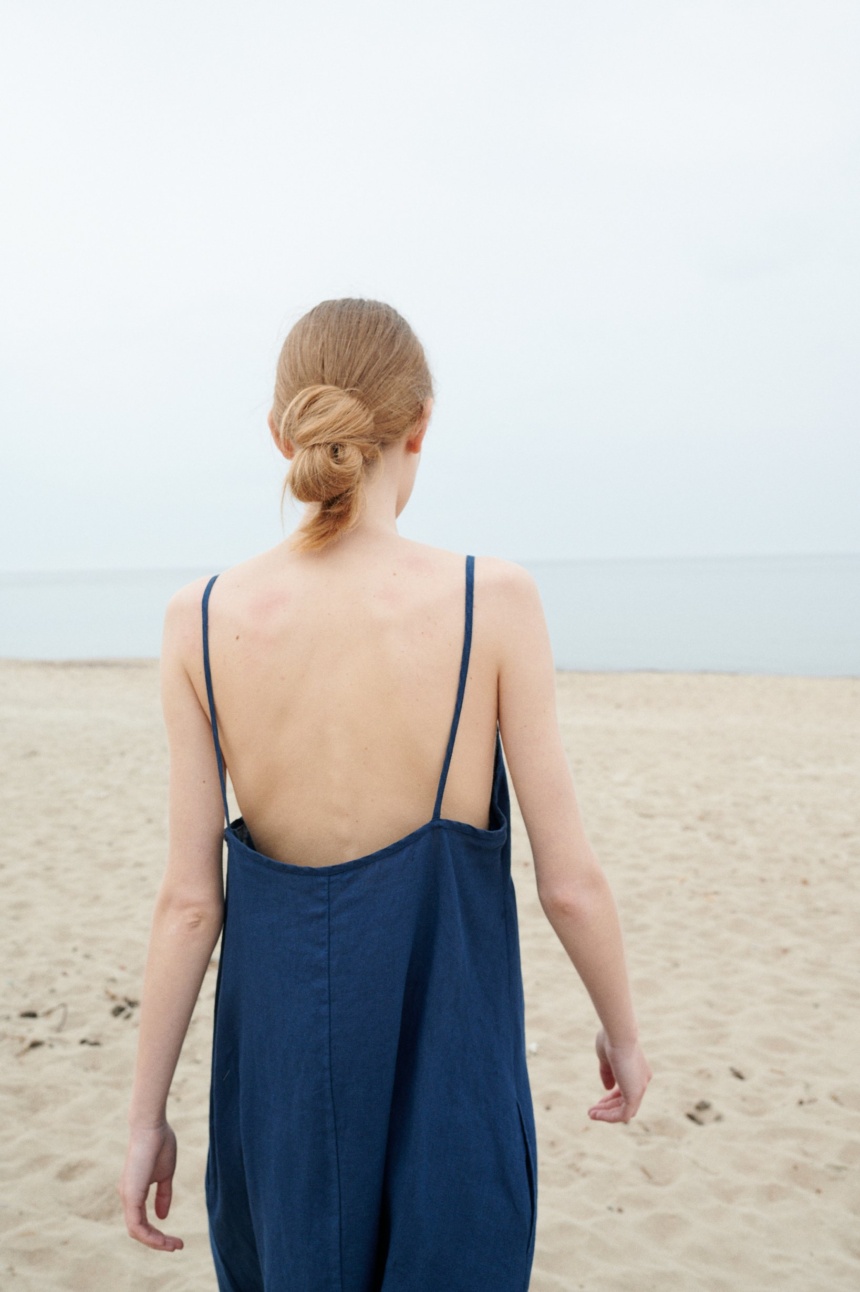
x=703 y=1113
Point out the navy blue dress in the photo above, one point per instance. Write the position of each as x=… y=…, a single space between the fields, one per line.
x=371 y=1125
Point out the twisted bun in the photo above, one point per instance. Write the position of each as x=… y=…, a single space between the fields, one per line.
x=332 y=431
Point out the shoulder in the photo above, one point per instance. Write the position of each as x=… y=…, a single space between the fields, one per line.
x=509 y=608
x=187 y=602
x=506 y=581
x=506 y=586
x=508 y=603
x=506 y=577
x=183 y=623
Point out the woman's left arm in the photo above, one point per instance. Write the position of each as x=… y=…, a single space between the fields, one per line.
x=186 y=923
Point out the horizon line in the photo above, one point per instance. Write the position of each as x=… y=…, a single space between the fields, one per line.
x=524 y=560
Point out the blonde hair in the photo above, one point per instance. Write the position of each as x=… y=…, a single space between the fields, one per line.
x=352 y=378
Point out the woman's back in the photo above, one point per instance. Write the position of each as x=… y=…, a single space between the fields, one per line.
x=371 y=1122
x=335 y=678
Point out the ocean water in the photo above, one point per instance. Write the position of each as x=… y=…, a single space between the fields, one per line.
x=786 y=615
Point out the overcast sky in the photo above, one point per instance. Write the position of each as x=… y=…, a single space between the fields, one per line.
x=627 y=234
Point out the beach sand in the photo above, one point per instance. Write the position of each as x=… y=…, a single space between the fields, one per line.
x=725 y=812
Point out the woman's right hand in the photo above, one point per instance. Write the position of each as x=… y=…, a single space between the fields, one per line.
x=625 y=1072
x=151 y=1159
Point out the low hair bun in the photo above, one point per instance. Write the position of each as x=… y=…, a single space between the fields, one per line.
x=332 y=431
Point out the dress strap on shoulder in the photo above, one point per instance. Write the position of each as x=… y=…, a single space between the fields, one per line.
x=208 y=671
x=464 y=669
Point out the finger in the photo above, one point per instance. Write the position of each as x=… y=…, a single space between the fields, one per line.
x=163 y=1198
x=152 y=1237
x=613 y=1100
x=139 y=1228
x=147 y=1234
x=607 y=1076
x=617 y=1113
x=608 y=1100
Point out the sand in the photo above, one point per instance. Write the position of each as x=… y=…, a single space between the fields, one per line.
x=725 y=812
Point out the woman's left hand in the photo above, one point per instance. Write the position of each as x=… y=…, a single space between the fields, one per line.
x=151 y=1159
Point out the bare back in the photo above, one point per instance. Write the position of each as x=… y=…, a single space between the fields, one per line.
x=335 y=681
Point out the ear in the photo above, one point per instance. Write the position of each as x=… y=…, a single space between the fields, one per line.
x=286 y=448
x=416 y=439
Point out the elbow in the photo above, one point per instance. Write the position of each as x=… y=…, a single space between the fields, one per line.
x=201 y=917
x=572 y=897
x=187 y=914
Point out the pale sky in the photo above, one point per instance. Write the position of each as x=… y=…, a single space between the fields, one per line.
x=627 y=234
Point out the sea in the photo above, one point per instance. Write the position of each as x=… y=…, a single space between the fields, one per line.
x=789 y=615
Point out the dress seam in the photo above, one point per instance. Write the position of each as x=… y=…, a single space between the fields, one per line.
x=512 y=1012
x=331 y=1084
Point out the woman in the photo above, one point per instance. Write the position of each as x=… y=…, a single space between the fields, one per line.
x=371 y=1122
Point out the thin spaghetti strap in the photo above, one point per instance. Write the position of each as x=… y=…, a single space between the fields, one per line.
x=207 y=670
x=464 y=668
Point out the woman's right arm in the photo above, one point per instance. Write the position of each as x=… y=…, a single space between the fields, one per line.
x=572 y=887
